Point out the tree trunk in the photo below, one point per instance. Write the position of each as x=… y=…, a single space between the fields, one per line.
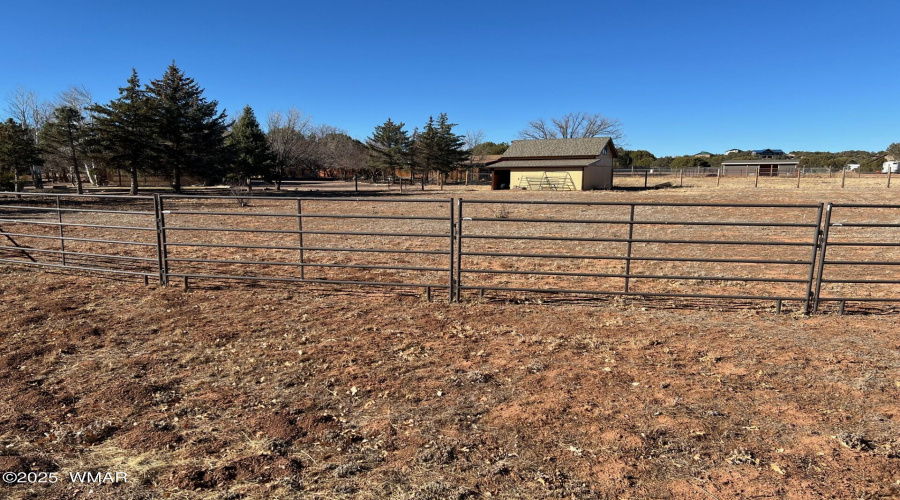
x=36 y=177
x=134 y=181
x=91 y=178
x=78 y=187
x=176 y=181
x=249 y=184
x=77 y=175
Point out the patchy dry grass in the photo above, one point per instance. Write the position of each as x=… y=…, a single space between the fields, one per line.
x=282 y=391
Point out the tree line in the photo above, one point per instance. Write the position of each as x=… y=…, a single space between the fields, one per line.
x=169 y=129
x=436 y=148
x=869 y=161
x=166 y=128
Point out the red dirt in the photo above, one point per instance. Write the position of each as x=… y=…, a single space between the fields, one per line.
x=284 y=391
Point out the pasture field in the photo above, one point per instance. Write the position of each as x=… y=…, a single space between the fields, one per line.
x=297 y=390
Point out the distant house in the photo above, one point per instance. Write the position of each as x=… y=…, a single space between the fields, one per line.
x=852 y=166
x=767 y=153
x=890 y=167
x=766 y=167
x=703 y=154
x=556 y=164
x=730 y=151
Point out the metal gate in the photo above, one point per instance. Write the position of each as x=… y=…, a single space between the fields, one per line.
x=860 y=255
x=766 y=251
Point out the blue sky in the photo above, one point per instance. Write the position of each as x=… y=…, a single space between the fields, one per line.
x=681 y=76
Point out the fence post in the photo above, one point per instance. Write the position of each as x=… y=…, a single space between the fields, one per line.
x=62 y=237
x=161 y=240
x=756 y=184
x=646 y=176
x=798 y=177
x=459 y=230
x=300 y=234
x=718 y=175
x=817 y=231
x=843 y=177
x=452 y=262
x=681 y=182
x=824 y=244
x=628 y=257
x=890 y=171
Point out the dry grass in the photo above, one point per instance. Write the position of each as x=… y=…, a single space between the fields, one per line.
x=285 y=391
x=282 y=391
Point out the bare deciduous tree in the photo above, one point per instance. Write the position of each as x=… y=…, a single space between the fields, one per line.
x=79 y=98
x=573 y=126
x=24 y=106
x=339 y=154
x=287 y=134
x=473 y=139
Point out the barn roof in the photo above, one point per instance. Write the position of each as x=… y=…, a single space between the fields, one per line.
x=537 y=148
x=576 y=162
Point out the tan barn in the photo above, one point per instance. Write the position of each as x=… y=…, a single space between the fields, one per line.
x=556 y=164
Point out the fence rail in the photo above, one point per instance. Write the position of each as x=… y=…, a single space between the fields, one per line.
x=612 y=258
x=860 y=254
x=809 y=254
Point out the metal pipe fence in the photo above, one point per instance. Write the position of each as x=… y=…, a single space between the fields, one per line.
x=404 y=242
x=44 y=230
x=860 y=259
x=640 y=249
x=808 y=254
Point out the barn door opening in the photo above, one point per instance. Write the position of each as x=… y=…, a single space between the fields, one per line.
x=500 y=180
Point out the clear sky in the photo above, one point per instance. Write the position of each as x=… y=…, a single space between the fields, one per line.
x=681 y=76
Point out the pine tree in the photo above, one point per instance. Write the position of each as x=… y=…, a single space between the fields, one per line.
x=439 y=148
x=416 y=161
x=123 y=131
x=189 y=130
x=63 y=139
x=428 y=149
x=249 y=149
x=389 y=148
x=451 y=148
x=18 y=151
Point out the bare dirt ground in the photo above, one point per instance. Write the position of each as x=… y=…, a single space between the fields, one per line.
x=304 y=391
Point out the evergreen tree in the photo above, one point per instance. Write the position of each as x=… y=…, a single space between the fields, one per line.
x=18 y=152
x=438 y=148
x=389 y=148
x=123 y=130
x=416 y=160
x=451 y=148
x=427 y=149
x=249 y=149
x=63 y=139
x=189 y=130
